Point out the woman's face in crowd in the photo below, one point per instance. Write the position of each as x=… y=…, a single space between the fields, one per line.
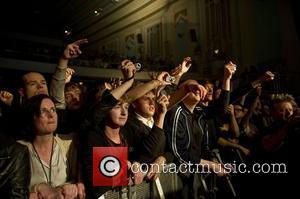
x=238 y=111
x=119 y=114
x=46 y=122
x=283 y=111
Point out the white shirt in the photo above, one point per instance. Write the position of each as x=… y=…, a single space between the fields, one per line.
x=59 y=169
x=148 y=122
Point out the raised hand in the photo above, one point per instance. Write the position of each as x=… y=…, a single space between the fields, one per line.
x=128 y=69
x=6 y=97
x=114 y=83
x=183 y=67
x=73 y=50
x=229 y=109
x=229 y=70
x=162 y=103
x=267 y=76
x=69 y=73
x=162 y=78
x=193 y=86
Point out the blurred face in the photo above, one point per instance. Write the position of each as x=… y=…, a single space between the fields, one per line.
x=192 y=98
x=217 y=93
x=266 y=110
x=73 y=97
x=210 y=90
x=145 y=106
x=46 y=122
x=283 y=111
x=238 y=112
x=118 y=114
x=258 y=105
x=35 y=84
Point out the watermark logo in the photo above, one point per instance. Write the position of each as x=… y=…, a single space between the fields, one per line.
x=110 y=166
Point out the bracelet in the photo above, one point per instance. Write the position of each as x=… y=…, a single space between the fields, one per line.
x=132 y=77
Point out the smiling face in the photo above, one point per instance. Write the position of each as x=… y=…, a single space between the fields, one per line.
x=118 y=114
x=46 y=122
x=34 y=84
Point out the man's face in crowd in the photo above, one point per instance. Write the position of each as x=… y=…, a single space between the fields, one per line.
x=145 y=106
x=73 y=97
x=35 y=84
x=282 y=111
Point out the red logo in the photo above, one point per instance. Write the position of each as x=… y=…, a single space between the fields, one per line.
x=110 y=166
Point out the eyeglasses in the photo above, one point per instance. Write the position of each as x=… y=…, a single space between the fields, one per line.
x=45 y=112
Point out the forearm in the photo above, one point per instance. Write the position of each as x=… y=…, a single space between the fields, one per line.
x=63 y=63
x=141 y=90
x=177 y=78
x=234 y=127
x=121 y=90
x=246 y=119
x=177 y=97
x=159 y=120
x=57 y=87
x=226 y=84
x=225 y=143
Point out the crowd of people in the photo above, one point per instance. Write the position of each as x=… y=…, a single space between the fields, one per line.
x=47 y=135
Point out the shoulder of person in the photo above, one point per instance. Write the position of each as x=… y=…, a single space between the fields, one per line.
x=65 y=141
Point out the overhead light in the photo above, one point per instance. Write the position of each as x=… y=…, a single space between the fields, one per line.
x=98 y=11
x=67 y=32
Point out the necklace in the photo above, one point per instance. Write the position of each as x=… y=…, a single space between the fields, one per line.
x=50 y=166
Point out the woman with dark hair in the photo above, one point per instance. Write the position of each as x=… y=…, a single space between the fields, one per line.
x=52 y=160
x=106 y=127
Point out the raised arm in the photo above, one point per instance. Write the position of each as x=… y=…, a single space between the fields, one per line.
x=128 y=70
x=242 y=90
x=181 y=69
x=247 y=117
x=229 y=70
x=142 y=89
x=184 y=89
x=59 y=77
x=234 y=127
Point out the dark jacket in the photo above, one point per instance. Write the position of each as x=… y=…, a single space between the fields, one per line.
x=187 y=133
x=145 y=143
x=14 y=169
